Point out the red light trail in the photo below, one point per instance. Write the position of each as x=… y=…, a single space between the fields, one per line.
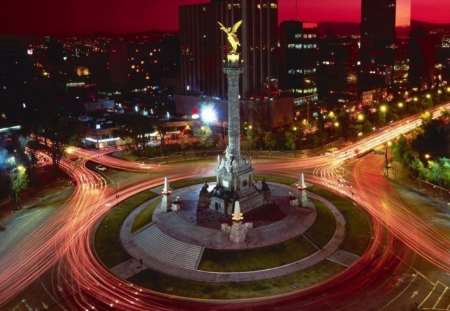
x=64 y=242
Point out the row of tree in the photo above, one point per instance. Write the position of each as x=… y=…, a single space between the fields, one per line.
x=427 y=153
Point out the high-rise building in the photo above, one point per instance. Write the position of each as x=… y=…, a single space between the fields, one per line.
x=422 y=58
x=336 y=72
x=384 y=25
x=118 y=66
x=443 y=57
x=203 y=45
x=298 y=57
x=15 y=76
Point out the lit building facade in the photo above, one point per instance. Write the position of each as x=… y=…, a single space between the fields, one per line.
x=385 y=25
x=298 y=57
x=336 y=72
x=204 y=45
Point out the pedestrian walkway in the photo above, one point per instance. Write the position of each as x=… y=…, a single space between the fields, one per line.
x=160 y=251
x=164 y=248
x=183 y=226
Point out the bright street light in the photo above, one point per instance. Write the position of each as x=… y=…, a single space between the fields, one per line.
x=360 y=117
x=21 y=168
x=208 y=114
x=383 y=108
x=400 y=105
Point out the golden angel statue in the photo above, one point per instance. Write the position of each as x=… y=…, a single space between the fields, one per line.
x=231 y=35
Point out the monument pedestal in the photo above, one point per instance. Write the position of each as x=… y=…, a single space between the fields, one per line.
x=238 y=232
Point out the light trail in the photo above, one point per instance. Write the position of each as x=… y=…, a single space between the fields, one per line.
x=64 y=242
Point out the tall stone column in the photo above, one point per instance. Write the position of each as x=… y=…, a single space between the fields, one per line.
x=233 y=70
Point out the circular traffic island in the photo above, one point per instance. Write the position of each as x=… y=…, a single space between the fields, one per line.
x=188 y=251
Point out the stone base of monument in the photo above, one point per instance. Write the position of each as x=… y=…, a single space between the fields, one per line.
x=293 y=202
x=249 y=199
x=204 y=200
x=238 y=231
x=165 y=203
x=176 y=204
x=304 y=199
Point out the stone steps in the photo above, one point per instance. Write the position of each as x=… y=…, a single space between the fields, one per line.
x=166 y=249
x=267 y=232
x=180 y=228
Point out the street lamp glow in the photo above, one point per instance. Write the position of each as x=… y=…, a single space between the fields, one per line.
x=70 y=150
x=360 y=117
x=428 y=96
x=21 y=168
x=383 y=108
x=208 y=114
x=427 y=156
x=400 y=105
x=336 y=124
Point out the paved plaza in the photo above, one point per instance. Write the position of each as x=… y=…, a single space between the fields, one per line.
x=173 y=243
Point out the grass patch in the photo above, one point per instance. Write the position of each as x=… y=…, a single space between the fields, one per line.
x=144 y=217
x=323 y=227
x=358 y=232
x=196 y=289
x=107 y=237
x=276 y=179
x=258 y=258
x=189 y=182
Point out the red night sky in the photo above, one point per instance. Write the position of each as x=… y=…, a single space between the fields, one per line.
x=119 y=16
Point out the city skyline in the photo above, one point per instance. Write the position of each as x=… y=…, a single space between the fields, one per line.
x=53 y=17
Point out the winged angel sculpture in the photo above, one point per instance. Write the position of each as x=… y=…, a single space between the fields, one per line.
x=231 y=35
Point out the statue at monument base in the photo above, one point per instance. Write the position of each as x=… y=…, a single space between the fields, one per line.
x=204 y=198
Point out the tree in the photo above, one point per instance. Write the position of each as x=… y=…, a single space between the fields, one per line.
x=270 y=140
x=206 y=137
x=135 y=131
x=290 y=140
x=433 y=138
x=344 y=124
x=250 y=137
x=19 y=182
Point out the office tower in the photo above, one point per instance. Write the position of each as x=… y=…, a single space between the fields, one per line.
x=443 y=57
x=203 y=45
x=298 y=57
x=422 y=58
x=336 y=72
x=118 y=66
x=385 y=25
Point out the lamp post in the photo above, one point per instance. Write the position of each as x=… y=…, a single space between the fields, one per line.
x=400 y=107
x=386 y=157
x=383 y=110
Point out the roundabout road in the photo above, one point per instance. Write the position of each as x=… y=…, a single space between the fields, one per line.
x=79 y=282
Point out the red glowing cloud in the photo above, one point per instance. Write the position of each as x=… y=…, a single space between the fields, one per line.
x=85 y=16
